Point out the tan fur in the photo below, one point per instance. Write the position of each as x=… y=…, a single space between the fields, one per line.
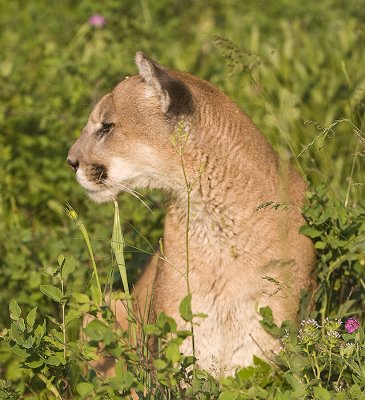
x=240 y=258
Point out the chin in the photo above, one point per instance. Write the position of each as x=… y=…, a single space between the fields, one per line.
x=102 y=196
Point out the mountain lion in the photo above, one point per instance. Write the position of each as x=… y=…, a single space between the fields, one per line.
x=169 y=130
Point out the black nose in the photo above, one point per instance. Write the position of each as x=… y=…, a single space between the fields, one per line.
x=73 y=163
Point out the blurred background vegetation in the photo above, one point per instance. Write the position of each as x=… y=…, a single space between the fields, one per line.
x=284 y=62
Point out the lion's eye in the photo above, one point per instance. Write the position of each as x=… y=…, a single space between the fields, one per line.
x=106 y=127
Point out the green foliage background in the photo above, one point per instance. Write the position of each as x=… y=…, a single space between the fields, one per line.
x=285 y=62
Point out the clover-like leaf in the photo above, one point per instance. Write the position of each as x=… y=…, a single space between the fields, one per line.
x=185 y=308
x=52 y=292
x=30 y=319
x=14 y=310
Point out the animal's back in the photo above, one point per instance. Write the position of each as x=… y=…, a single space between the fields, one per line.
x=241 y=256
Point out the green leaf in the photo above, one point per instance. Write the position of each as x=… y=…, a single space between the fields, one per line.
x=183 y=334
x=28 y=343
x=321 y=393
x=39 y=331
x=19 y=351
x=122 y=383
x=15 y=334
x=298 y=386
x=84 y=388
x=71 y=315
x=68 y=267
x=309 y=231
x=160 y=364
x=172 y=351
x=341 y=212
x=31 y=318
x=261 y=363
x=355 y=391
x=52 y=292
x=58 y=336
x=259 y=392
x=14 y=310
x=54 y=321
x=81 y=298
x=96 y=330
x=268 y=321
x=53 y=360
x=20 y=324
x=266 y=314
x=320 y=245
x=151 y=329
x=185 y=308
x=35 y=364
x=166 y=324
x=95 y=292
x=61 y=260
x=227 y=396
x=245 y=373
x=201 y=315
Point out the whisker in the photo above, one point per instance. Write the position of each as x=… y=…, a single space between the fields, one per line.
x=143 y=237
x=128 y=190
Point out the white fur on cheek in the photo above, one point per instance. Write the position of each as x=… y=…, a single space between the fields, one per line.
x=83 y=181
x=121 y=169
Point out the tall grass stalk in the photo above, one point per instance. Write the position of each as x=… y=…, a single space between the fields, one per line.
x=179 y=142
x=71 y=213
x=63 y=319
x=52 y=388
x=360 y=135
x=350 y=178
x=118 y=244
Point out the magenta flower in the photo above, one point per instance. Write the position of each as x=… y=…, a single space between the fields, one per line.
x=351 y=325
x=97 y=20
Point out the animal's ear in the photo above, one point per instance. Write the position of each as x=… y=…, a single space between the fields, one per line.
x=174 y=95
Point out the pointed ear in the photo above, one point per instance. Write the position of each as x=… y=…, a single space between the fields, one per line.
x=175 y=97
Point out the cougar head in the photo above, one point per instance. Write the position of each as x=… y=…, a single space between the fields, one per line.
x=126 y=142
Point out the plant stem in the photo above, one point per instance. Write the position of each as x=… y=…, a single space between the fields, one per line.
x=351 y=175
x=92 y=258
x=117 y=244
x=63 y=322
x=330 y=366
x=340 y=375
x=71 y=213
x=317 y=366
x=187 y=230
x=310 y=359
x=49 y=385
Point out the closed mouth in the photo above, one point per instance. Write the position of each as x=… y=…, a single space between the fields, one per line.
x=95 y=190
x=101 y=195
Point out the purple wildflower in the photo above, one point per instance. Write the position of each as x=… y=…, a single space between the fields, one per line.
x=97 y=20
x=351 y=325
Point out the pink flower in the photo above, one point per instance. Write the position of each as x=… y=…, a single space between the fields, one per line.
x=97 y=20
x=351 y=325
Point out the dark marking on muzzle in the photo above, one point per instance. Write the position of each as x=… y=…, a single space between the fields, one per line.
x=99 y=173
